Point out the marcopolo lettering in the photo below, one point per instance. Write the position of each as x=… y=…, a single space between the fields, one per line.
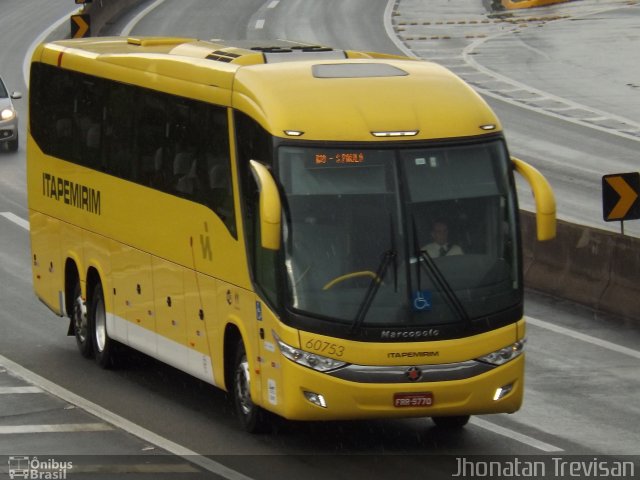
x=400 y=334
x=71 y=193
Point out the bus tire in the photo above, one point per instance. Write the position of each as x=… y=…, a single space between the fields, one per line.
x=80 y=321
x=253 y=419
x=103 y=346
x=451 y=423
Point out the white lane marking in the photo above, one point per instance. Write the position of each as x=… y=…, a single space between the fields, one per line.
x=513 y=435
x=13 y=390
x=64 y=427
x=26 y=63
x=274 y=4
x=467 y=55
x=583 y=337
x=15 y=219
x=388 y=28
x=126 y=31
x=259 y=24
x=121 y=422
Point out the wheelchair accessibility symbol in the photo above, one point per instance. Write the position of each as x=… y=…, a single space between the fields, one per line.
x=421 y=301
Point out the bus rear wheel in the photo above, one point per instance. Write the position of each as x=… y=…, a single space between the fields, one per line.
x=451 y=423
x=103 y=346
x=80 y=323
x=252 y=418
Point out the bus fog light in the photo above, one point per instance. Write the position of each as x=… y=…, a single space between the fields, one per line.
x=316 y=399
x=502 y=391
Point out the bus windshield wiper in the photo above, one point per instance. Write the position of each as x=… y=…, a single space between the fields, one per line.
x=436 y=275
x=372 y=290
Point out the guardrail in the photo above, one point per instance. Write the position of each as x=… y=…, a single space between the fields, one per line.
x=592 y=267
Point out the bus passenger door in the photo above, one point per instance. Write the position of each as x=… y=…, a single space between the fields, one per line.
x=135 y=323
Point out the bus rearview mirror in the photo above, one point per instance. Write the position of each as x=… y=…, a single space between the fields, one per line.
x=270 y=208
x=544 y=198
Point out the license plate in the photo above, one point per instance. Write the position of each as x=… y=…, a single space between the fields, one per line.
x=424 y=399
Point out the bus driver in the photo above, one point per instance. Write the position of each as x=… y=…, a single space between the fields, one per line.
x=440 y=246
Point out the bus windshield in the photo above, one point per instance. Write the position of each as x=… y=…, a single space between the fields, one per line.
x=400 y=237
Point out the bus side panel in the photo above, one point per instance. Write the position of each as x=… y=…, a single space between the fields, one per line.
x=203 y=328
x=275 y=395
x=171 y=325
x=236 y=306
x=133 y=298
x=48 y=270
x=97 y=255
x=72 y=241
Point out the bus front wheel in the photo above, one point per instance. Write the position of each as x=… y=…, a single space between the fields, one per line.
x=451 y=423
x=103 y=346
x=252 y=418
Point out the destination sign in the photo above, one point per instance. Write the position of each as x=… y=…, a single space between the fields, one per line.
x=340 y=158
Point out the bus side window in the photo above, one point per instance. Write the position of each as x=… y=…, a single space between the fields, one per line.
x=184 y=166
x=172 y=144
x=214 y=167
x=87 y=121
x=51 y=113
x=152 y=134
x=254 y=143
x=118 y=132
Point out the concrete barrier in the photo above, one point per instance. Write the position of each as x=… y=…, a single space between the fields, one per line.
x=593 y=267
x=103 y=12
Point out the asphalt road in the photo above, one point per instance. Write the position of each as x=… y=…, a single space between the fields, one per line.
x=582 y=380
x=568 y=69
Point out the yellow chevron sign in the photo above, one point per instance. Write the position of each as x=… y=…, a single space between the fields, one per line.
x=620 y=196
x=80 y=26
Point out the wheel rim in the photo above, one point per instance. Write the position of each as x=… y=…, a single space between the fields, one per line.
x=101 y=326
x=243 y=387
x=80 y=320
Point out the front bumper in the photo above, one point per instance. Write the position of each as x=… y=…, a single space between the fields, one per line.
x=8 y=131
x=346 y=399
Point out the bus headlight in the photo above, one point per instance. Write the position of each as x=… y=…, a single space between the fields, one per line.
x=308 y=359
x=7 y=114
x=504 y=355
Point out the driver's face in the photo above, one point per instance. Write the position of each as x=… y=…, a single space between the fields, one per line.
x=440 y=233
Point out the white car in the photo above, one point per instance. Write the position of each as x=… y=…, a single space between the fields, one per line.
x=8 y=118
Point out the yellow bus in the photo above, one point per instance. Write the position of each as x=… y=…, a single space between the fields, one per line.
x=262 y=216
